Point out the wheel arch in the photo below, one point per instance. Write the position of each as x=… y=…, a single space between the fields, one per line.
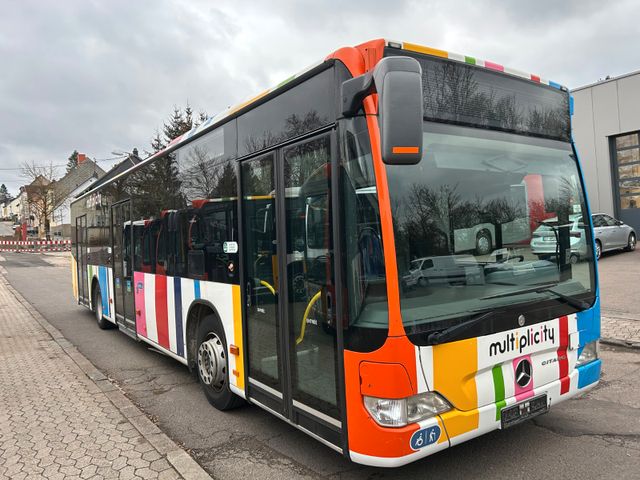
x=486 y=230
x=197 y=311
x=95 y=282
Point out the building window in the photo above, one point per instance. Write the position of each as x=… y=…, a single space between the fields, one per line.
x=627 y=169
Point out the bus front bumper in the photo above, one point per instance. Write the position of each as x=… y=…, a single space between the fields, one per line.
x=456 y=426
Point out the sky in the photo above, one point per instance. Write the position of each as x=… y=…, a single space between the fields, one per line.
x=102 y=76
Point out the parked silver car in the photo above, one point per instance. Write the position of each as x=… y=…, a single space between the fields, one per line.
x=448 y=269
x=612 y=234
x=545 y=246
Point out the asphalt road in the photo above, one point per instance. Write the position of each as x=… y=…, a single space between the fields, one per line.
x=596 y=436
x=619 y=281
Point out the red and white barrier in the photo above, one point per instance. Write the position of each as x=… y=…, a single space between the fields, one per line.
x=35 y=246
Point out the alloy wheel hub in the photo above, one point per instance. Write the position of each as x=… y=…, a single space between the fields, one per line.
x=212 y=362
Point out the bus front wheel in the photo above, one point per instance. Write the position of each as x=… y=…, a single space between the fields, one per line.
x=213 y=364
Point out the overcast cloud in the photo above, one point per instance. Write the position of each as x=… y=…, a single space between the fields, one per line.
x=99 y=76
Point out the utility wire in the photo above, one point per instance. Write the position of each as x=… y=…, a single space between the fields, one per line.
x=64 y=164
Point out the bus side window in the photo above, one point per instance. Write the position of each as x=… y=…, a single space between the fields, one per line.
x=195 y=243
x=177 y=243
x=182 y=241
x=161 y=249
x=217 y=229
x=216 y=263
x=175 y=255
x=138 y=239
x=150 y=244
x=146 y=245
x=126 y=250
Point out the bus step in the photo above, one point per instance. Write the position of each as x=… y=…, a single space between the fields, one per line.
x=131 y=332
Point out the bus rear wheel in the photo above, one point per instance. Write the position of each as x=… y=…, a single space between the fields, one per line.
x=103 y=323
x=213 y=365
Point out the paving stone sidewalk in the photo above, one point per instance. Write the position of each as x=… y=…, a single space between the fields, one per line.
x=61 y=418
x=620 y=331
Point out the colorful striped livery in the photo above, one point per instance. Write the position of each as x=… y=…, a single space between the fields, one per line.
x=475 y=61
x=353 y=250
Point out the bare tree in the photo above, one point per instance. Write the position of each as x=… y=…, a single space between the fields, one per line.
x=41 y=193
x=200 y=174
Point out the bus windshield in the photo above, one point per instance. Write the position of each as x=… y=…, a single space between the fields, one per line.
x=484 y=217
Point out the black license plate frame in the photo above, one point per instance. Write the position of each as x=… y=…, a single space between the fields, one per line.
x=524 y=410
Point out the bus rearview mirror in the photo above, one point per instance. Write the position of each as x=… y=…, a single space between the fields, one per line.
x=398 y=83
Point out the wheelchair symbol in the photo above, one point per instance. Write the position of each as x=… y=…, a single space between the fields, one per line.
x=425 y=437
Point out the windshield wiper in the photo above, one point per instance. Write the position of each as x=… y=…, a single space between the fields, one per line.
x=569 y=300
x=452 y=332
x=510 y=293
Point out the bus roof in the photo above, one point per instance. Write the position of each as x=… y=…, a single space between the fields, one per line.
x=212 y=122
x=411 y=47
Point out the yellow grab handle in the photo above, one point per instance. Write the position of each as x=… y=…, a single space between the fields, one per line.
x=265 y=284
x=306 y=314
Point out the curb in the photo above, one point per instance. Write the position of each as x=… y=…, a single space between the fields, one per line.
x=620 y=343
x=180 y=460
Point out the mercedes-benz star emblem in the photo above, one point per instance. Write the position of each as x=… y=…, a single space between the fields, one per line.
x=523 y=373
x=521 y=320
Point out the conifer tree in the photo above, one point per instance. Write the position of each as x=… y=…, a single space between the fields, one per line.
x=188 y=118
x=156 y=143
x=175 y=126
x=202 y=117
x=72 y=161
x=4 y=194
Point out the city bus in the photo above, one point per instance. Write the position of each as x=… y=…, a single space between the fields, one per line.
x=351 y=252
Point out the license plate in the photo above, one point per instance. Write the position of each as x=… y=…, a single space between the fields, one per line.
x=524 y=411
x=548 y=239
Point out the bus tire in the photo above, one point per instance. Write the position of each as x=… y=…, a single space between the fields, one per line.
x=484 y=243
x=212 y=364
x=103 y=323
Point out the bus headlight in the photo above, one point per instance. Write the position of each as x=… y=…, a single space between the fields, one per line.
x=589 y=353
x=425 y=405
x=398 y=412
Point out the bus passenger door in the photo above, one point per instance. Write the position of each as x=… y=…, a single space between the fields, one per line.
x=261 y=290
x=288 y=285
x=309 y=300
x=81 y=255
x=121 y=230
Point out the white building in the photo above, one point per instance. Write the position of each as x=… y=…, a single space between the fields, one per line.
x=67 y=188
x=11 y=210
x=606 y=128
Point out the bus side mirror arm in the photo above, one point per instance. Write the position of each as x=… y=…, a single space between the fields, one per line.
x=354 y=91
x=398 y=83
